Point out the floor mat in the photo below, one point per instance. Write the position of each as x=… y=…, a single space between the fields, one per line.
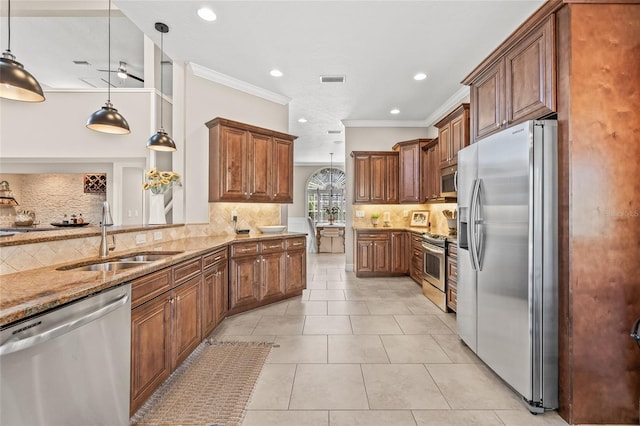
x=211 y=387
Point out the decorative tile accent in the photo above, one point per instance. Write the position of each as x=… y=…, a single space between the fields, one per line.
x=396 y=213
x=95 y=183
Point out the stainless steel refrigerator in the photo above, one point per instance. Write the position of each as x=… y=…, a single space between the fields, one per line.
x=507 y=263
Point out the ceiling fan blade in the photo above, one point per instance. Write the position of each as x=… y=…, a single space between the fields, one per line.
x=135 y=77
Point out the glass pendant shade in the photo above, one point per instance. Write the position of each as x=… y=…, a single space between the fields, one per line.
x=108 y=120
x=161 y=141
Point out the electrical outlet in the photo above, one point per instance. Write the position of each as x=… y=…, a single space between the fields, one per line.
x=359 y=213
x=405 y=213
x=157 y=235
x=234 y=216
x=141 y=239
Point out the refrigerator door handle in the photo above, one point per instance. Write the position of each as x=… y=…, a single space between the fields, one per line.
x=471 y=229
x=455 y=181
x=479 y=226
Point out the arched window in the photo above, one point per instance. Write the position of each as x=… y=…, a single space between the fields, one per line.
x=325 y=195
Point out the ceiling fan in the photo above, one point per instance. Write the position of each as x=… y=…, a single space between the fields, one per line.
x=123 y=73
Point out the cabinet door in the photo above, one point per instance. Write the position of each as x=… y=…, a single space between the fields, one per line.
x=459 y=136
x=487 y=97
x=529 y=76
x=381 y=254
x=362 y=171
x=296 y=272
x=150 y=348
x=282 y=171
x=221 y=292
x=399 y=259
x=378 y=179
x=409 y=188
x=233 y=164
x=186 y=320
x=392 y=184
x=214 y=297
x=272 y=276
x=244 y=283
x=444 y=140
x=364 y=256
x=260 y=167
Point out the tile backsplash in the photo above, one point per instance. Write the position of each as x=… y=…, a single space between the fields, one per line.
x=397 y=216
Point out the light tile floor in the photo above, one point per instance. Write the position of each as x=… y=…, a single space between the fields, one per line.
x=374 y=351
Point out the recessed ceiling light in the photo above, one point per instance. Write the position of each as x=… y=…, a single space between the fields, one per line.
x=420 y=76
x=334 y=132
x=337 y=142
x=302 y=120
x=395 y=111
x=207 y=14
x=276 y=73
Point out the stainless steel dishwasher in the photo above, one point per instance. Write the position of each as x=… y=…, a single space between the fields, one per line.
x=69 y=366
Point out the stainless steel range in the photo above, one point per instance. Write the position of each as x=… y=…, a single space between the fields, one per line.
x=434 y=247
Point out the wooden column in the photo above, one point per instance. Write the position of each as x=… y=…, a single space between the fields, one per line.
x=599 y=124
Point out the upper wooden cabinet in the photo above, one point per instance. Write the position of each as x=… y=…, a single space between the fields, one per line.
x=375 y=177
x=249 y=164
x=453 y=135
x=411 y=166
x=516 y=83
x=431 y=170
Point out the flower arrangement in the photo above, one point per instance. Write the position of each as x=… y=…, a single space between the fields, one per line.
x=159 y=182
x=332 y=211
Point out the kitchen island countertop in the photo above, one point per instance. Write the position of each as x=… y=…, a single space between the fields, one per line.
x=27 y=293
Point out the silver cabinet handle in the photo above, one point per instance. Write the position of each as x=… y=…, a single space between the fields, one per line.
x=217 y=258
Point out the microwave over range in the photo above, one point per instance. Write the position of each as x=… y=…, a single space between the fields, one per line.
x=449 y=182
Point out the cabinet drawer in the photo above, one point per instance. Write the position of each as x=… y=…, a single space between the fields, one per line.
x=416 y=239
x=242 y=249
x=452 y=268
x=152 y=285
x=452 y=250
x=208 y=260
x=373 y=235
x=272 y=246
x=186 y=270
x=452 y=299
x=295 y=243
x=417 y=253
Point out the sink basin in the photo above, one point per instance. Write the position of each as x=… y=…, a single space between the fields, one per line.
x=103 y=266
x=148 y=256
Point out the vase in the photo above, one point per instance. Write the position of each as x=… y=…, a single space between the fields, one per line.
x=156 y=210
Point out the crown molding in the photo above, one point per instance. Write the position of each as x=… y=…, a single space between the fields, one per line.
x=234 y=83
x=456 y=99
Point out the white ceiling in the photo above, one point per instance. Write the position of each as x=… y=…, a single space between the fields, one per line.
x=377 y=45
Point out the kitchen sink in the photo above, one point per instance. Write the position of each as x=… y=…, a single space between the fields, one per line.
x=114 y=265
x=125 y=262
x=148 y=256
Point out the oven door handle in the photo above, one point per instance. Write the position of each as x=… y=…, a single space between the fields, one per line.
x=432 y=250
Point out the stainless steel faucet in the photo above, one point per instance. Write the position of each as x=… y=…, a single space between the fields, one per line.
x=106 y=220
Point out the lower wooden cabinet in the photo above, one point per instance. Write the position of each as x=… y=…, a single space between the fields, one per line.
x=259 y=272
x=381 y=253
x=186 y=320
x=150 y=348
x=215 y=290
x=417 y=258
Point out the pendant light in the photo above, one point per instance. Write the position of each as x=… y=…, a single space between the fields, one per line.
x=161 y=141
x=107 y=119
x=16 y=83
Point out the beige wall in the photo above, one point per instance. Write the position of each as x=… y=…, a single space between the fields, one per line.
x=205 y=100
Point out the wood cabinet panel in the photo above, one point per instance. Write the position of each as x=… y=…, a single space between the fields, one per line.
x=186 y=270
x=186 y=320
x=364 y=256
x=215 y=284
x=431 y=170
x=146 y=288
x=381 y=253
x=451 y=265
x=282 y=162
x=378 y=178
x=444 y=140
x=411 y=168
x=362 y=168
x=487 y=97
x=244 y=289
x=233 y=165
x=399 y=250
x=260 y=165
x=529 y=76
x=150 y=348
x=296 y=271
x=272 y=276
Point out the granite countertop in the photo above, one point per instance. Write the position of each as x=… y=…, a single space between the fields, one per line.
x=44 y=233
x=31 y=292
